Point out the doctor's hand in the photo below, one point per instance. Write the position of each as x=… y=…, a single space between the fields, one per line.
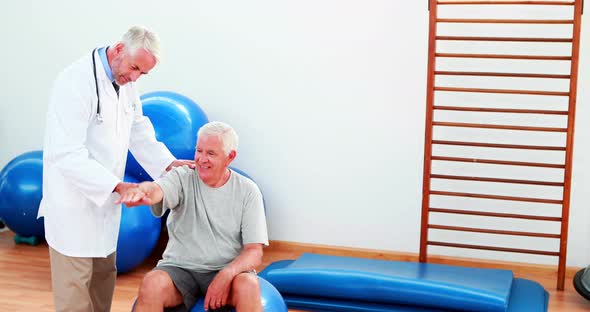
x=133 y=196
x=180 y=163
x=122 y=186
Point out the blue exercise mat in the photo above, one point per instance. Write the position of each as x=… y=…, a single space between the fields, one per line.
x=526 y=296
x=332 y=283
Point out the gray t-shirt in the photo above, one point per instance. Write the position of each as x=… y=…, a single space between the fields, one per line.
x=207 y=227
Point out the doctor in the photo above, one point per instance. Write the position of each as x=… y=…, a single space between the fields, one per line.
x=94 y=117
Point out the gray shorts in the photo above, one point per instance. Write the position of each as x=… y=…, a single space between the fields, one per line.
x=192 y=285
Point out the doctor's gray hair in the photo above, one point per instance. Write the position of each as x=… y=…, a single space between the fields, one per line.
x=138 y=37
x=227 y=135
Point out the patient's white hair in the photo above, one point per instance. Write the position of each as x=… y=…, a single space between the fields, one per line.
x=225 y=133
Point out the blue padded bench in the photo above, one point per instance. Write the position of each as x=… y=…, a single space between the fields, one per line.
x=331 y=283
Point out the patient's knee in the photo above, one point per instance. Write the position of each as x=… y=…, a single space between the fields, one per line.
x=155 y=284
x=246 y=284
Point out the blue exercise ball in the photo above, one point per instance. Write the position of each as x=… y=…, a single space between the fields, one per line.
x=21 y=189
x=138 y=235
x=272 y=301
x=176 y=120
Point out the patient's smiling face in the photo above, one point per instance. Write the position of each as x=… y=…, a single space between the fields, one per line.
x=211 y=160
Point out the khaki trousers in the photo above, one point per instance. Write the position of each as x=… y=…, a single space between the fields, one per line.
x=82 y=284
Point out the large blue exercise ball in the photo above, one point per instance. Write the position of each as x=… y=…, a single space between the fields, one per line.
x=138 y=235
x=272 y=301
x=176 y=120
x=21 y=189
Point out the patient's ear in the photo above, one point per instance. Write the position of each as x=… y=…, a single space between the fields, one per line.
x=232 y=155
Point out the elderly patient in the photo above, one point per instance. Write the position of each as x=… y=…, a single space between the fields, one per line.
x=216 y=226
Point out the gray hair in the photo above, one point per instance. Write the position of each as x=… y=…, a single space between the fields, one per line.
x=225 y=133
x=138 y=37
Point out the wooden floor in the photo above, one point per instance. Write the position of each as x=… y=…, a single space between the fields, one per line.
x=25 y=276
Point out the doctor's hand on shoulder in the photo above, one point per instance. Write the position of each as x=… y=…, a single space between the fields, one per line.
x=180 y=163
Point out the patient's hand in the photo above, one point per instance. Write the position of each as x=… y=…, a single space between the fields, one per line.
x=218 y=291
x=133 y=197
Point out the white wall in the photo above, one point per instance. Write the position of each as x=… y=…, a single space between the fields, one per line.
x=328 y=98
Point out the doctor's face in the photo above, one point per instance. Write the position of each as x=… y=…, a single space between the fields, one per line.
x=128 y=67
x=211 y=160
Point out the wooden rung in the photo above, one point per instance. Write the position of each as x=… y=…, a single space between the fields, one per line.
x=517 y=250
x=515 y=39
x=503 y=21
x=498 y=145
x=501 y=127
x=490 y=231
x=492 y=74
x=495 y=214
x=443 y=2
x=498 y=162
x=496 y=180
x=506 y=56
x=498 y=197
x=502 y=91
x=500 y=110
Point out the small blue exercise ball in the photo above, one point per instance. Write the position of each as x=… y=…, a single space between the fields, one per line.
x=138 y=235
x=176 y=119
x=272 y=301
x=21 y=189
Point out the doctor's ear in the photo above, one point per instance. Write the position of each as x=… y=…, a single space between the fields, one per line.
x=118 y=48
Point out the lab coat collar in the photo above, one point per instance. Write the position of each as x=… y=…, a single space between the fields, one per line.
x=103 y=80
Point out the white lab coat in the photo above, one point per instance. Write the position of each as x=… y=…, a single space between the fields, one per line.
x=83 y=159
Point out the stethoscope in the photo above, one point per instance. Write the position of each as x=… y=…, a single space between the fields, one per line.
x=98 y=114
